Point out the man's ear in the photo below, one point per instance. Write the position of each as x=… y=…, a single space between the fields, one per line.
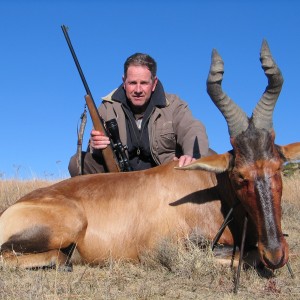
x=154 y=83
x=123 y=79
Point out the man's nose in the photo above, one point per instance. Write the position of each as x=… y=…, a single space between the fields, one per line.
x=138 y=88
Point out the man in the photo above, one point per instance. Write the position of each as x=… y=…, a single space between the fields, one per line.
x=156 y=127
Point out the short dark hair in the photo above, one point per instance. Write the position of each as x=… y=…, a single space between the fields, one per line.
x=141 y=59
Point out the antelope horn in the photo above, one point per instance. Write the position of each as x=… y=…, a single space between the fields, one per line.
x=263 y=112
x=236 y=119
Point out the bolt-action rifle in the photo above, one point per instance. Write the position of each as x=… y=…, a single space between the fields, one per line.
x=115 y=157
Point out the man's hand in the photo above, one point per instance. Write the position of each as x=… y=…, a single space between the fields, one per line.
x=98 y=140
x=184 y=160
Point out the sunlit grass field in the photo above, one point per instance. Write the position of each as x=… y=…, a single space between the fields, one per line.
x=170 y=272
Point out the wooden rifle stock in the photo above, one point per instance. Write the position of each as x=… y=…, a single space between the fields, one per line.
x=108 y=154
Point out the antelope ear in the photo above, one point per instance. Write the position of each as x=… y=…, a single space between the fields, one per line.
x=217 y=163
x=290 y=152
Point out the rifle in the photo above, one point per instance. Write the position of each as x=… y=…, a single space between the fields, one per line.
x=114 y=155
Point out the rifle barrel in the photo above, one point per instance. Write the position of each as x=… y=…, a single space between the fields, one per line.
x=65 y=31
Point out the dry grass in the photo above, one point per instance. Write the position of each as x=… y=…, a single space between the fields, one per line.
x=170 y=272
x=11 y=190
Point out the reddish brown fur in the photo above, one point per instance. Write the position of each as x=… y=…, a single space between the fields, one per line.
x=117 y=215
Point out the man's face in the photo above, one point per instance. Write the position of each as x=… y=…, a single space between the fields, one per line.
x=139 y=85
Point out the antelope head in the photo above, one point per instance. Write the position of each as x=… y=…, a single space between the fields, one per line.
x=254 y=165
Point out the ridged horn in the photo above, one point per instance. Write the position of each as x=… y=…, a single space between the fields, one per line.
x=263 y=112
x=237 y=120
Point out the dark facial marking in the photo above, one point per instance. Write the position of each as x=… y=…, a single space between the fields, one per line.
x=266 y=203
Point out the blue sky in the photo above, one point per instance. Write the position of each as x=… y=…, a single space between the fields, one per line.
x=42 y=96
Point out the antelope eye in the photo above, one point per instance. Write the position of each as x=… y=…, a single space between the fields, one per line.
x=241 y=179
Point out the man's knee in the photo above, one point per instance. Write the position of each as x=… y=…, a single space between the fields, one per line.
x=90 y=164
x=73 y=166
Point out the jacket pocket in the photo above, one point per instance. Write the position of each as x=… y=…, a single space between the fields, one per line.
x=167 y=140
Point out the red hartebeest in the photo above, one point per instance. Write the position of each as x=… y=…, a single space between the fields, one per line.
x=119 y=215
